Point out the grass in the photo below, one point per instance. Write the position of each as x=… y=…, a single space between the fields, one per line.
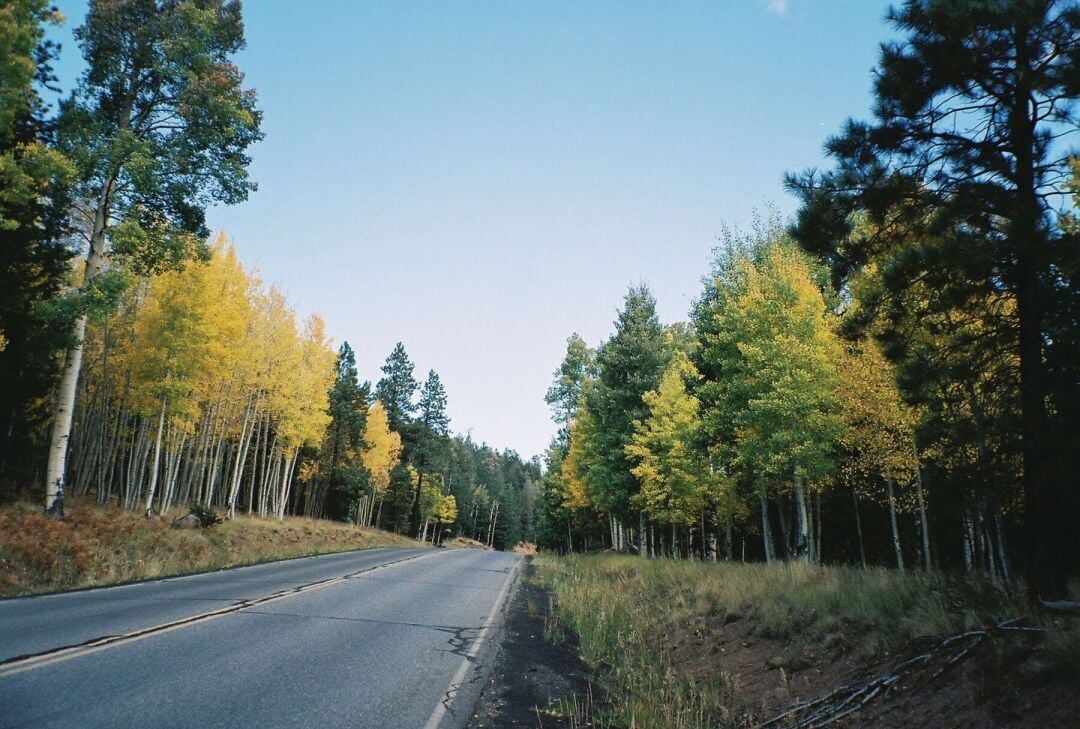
x=101 y=545
x=629 y=613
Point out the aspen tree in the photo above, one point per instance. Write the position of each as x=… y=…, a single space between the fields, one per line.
x=158 y=126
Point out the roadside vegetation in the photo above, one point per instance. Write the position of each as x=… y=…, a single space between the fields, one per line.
x=101 y=545
x=683 y=643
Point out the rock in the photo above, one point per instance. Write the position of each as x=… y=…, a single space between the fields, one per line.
x=775 y=662
x=187 y=522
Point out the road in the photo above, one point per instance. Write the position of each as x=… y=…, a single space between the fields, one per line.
x=383 y=638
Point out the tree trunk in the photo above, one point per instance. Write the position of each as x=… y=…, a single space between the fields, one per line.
x=924 y=527
x=766 y=532
x=858 y=529
x=56 y=466
x=892 y=523
x=804 y=545
x=157 y=459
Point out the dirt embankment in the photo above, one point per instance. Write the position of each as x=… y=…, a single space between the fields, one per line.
x=99 y=545
x=986 y=675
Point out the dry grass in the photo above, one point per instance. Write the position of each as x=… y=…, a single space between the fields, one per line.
x=100 y=545
x=630 y=613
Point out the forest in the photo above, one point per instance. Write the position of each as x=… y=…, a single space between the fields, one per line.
x=891 y=378
x=143 y=364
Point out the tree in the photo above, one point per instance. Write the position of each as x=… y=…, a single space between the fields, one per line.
x=381 y=454
x=342 y=471
x=968 y=150
x=677 y=483
x=432 y=430
x=564 y=395
x=34 y=257
x=158 y=128
x=628 y=365
x=396 y=388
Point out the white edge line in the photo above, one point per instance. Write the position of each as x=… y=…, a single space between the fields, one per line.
x=455 y=683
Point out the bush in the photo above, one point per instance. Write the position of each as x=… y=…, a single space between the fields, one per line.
x=207 y=516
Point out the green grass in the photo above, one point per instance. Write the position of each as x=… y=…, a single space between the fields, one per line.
x=626 y=609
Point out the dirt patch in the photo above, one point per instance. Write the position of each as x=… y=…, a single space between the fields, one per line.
x=536 y=682
x=1001 y=684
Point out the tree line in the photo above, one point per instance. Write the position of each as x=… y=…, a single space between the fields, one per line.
x=891 y=378
x=143 y=364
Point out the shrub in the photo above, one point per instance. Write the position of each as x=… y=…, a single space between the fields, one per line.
x=207 y=516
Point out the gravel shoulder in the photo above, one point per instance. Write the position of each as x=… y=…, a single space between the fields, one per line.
x=536 y=682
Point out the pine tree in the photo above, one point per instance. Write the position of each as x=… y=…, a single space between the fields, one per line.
x=342 y=467
x=969 y=151
x=432 y=429
x=629 y=364
x=34 y=260
x=396 y=389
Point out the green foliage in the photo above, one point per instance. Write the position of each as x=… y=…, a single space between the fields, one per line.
x=397 y=387
x=206 y=515
x=159 y=125
x=941 y=216
x=341 y=452
x=34 y=256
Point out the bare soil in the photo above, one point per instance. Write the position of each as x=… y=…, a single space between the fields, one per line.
x=536 y=682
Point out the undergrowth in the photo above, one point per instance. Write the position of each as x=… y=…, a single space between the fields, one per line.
x=625 y=610
x=100 y=545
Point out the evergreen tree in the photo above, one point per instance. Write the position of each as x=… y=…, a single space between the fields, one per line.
x=629 y=364
x=342 y=469
x=968 y=153
x=34 y=259
x=432 y=429
x=396 y=389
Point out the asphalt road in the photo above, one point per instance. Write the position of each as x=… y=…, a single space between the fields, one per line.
x=381 y=638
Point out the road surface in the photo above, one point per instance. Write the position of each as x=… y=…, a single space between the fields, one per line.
x=386 y=638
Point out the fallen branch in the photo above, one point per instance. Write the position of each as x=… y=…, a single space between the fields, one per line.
x=850 y=698
x=1061 y=606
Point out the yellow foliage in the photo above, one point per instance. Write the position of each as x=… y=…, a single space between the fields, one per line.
x=383 y=448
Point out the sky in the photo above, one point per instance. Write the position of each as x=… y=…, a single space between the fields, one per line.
x=478 y=180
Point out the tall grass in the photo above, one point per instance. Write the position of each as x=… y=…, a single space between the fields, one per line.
x=625 y=610
x=100 y=545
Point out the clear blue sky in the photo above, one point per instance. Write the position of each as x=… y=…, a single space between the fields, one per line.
x=480 y=179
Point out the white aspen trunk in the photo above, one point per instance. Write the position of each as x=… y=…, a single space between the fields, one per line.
x=817 y=529
x=1002 y=561
x=804 y=547
x=59 y=437
x=174 y=476
x=641 y=547
x=766 y=532
x=969 y=541
x=892 y=523
x=858 y=529
x=987 y=544
x=137 y=467
x=245 y=440
x=424 y=530
x=924 y=527
x=157 y=459
x=286 y=484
